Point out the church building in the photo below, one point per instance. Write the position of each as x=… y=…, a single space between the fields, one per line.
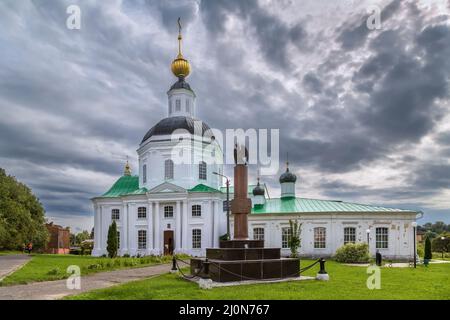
x=172 y=207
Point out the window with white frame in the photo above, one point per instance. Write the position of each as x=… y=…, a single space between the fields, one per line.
x=178 y=105
x=144 y=173
x=258 y=234
x=142 y=213
x=118 y=239
x=382 y=238
x=115 y=214
x=142 y=239
x=196 y=210
x=285 y=237
x=168 y=169
x=196 y=239
x=320 y=238
x=202 y=170
x=349 y=235
x=168 y=212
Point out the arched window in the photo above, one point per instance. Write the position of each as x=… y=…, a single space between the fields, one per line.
x=349 y=235
x=168 y=169
x=196 y=210
x=202 y=170
x=144 y=173
x=178 y=105
x=196 y=238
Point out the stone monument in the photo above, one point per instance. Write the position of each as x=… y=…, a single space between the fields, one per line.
x=243 y=259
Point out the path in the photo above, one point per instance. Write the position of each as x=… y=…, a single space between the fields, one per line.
x=51 y=290
x=11 y=263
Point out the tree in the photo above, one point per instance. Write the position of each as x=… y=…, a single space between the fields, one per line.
x=112 y=240
x=428 y=255
x=80 y=237
x=22 y=217
x=441 y=245
x=295 y=240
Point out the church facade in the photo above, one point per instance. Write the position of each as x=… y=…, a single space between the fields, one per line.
x=172 y=206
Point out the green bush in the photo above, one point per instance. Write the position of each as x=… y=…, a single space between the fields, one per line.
x=353 y=253
x=420 y=250
x=53 y=272
x=428 y=255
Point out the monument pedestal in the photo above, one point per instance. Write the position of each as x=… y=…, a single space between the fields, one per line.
x=241 y=260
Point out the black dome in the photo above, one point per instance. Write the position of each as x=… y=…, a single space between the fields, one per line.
x=288 y=177
x=168 y=125
x=181 y=84
x=258 y=191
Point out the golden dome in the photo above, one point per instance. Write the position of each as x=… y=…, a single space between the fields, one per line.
x=180 y=66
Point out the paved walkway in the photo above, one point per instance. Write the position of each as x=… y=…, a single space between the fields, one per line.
x=51 y=290
x=10 y=263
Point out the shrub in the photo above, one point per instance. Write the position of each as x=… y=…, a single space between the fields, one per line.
x=428 y=255
x=53 y=272
x=112 y=240
x=126 y=255
x=353 y=253
x=420 y=250
x=94 y=266
x=295 y=240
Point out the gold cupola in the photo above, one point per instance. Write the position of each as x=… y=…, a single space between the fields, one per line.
x=180 y=66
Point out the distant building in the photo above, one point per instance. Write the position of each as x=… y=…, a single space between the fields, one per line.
x=59 y=242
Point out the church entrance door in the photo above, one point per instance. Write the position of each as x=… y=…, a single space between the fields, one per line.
x=168 y=242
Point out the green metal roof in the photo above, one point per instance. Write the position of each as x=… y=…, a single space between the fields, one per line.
x=302 y=205
x=126 y=185
x=203 y=188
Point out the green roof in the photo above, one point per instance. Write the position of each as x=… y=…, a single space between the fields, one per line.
x=126 y=185
x=303 y=205
x=203 y=188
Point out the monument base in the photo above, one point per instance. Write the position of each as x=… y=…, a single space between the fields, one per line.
x=244 y=260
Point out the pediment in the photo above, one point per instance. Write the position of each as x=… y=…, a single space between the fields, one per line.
x=167 y=187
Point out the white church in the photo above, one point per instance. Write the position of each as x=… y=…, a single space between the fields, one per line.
x=181 y=208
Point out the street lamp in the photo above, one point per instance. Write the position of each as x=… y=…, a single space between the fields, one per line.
x=228 y=202
x=368 y=241
x=414 y=225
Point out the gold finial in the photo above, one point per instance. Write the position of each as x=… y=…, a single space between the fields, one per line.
x=180 y=66
x=127 y=171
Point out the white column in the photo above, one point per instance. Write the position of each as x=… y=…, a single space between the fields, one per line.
x=178 y=227
x=97 y=227
x=209 y=226
x=185 y=227
x=132 y=238
x=124 y=231
x=216 y=234
x=149 y=228
x=156 y=229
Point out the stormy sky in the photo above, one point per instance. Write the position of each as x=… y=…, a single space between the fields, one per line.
x=364 y=114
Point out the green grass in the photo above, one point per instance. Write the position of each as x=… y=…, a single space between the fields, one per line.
x=345 y=283
x=46 y=267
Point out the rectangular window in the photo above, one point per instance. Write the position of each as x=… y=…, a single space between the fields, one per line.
x=142 y=213
x=196 y=239
x=118 y=239
x=142 y=239
x=115 y=214
x=168 y=169
x=188 y=106
x=178 y=105
x=285 y=237
x=144 y=173
x=202 y=170
x=349 y=235
x=196 y=210
x=320 y=238
x=258 y=234
x=168 y=212
x=382 y=238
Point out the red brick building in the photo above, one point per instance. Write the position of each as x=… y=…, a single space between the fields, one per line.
x=59 y=242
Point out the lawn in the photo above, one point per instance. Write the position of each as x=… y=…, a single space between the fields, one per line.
x=9 y=252
x=46 y=267
x=346 y=282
